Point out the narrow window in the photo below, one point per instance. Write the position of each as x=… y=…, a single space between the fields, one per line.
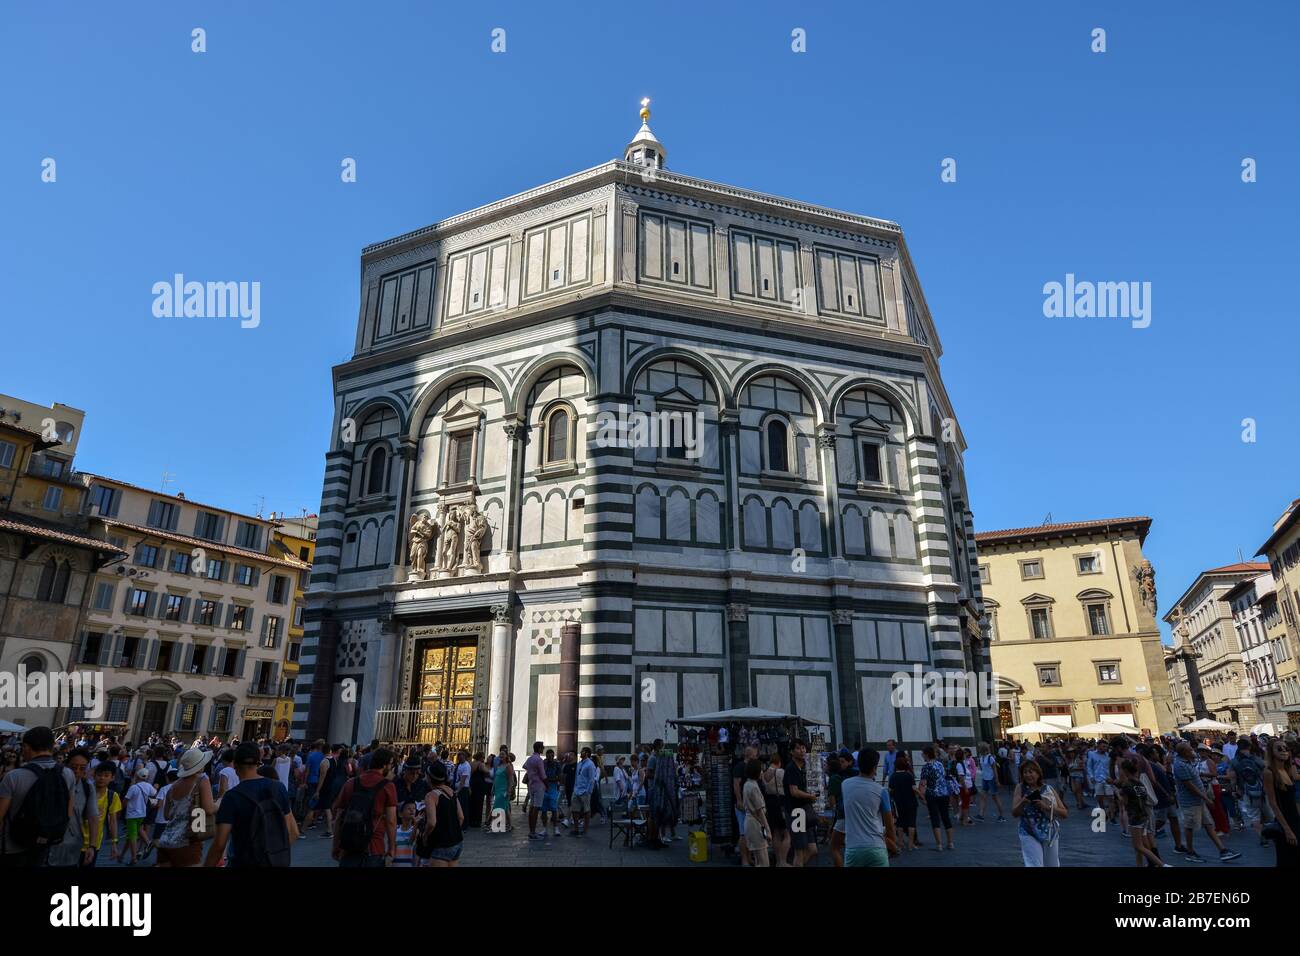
x=870 y=461
x=375 y=471
x=778 y=449
x=557 y=437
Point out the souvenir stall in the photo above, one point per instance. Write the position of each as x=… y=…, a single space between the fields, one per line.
x=709 y=744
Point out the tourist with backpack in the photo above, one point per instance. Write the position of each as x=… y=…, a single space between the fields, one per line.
x=365 y=825
x=254 y=818
x=1246 y=772
x=75 y=850
x=35 y=803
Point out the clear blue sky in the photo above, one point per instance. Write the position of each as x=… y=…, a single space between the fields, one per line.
x=1117 y=166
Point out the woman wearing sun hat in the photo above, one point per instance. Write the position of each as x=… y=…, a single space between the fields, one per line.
x=181 y=842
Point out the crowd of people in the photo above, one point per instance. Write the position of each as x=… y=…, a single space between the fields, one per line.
x=1145 y=788
x=75 y=800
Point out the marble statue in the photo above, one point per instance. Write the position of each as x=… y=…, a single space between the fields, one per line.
x=449 y=554
x=475 y=527
x=1145 y=575
x=420 y=533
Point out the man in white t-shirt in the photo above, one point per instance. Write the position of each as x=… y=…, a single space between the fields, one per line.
x=284 y=768
x=139 y=799
x=1230 y=745
x=227 y=778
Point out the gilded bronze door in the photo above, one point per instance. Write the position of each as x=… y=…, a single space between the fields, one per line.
x=445 y=674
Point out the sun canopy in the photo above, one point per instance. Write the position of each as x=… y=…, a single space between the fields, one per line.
x=744 y=715
x=1264 y=729
x=9 y=727
x=1105 y=727
x=1205 y=723
x=1039 y=727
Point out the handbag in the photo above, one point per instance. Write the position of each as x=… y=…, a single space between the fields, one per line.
x=196 y=834
x=1272 y=831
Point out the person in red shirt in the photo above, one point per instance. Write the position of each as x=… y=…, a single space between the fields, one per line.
x=372 y=842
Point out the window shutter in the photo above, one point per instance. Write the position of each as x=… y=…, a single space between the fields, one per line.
x=221 y=527
x=275 y=678
x=270 y=586
x=150 y=603
x=257 y=576
x=212 y=717
x=175 y=518
x=185 y=609
x=198 y=605
x=105 y=650
x=198 y=715
x=154 y=508
x=75 y=659
x=126 y=602
x=115 y=501
x=266 y=623
x=279 y=631
x=219 y=661
x=239 y=662
x=117 y=651
x=135 y=557
x=187 y=659
x=153 y=655
x=230 y=614
x=141 y=653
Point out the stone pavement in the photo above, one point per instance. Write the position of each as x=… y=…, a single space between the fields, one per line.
x=984 y=844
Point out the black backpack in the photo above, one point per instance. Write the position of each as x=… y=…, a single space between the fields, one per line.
x=42 y=820
x=359 y=819
x=268 y=843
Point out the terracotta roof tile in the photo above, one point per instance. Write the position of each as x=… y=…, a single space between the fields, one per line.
x=1239 y=567
x=205 y=544
x=52 y=532
x=1068 y=527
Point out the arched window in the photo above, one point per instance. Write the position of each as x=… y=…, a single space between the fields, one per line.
x=53 y=585
x=376 y=469
x=778 y=445
x=59 y=592
x=557 y=436
x=32 y=665
x=47 y=580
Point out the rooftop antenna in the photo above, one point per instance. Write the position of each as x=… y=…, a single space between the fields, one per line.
x=168 y=478
x=1048 y=519
x=261 y=503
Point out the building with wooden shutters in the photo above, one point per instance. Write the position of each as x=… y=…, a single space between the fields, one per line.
x=190 y=626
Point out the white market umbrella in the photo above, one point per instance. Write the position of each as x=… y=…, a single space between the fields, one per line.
x=1205 y=723
x=1269 y=729
x=1105 y=727
x=8 y=727
x=1039 y=727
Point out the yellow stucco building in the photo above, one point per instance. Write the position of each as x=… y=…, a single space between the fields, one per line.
x=294 y=537
x=46 y=556
x=1283 y=625
x=1070 y=613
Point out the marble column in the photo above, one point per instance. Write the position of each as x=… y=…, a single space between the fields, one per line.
x=846 y=676
x=738 y=651
x=499 y=675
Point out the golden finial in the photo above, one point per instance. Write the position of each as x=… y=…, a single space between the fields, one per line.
x=645 y=109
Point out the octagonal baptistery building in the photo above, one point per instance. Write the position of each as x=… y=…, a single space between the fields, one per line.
x=632 y=446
